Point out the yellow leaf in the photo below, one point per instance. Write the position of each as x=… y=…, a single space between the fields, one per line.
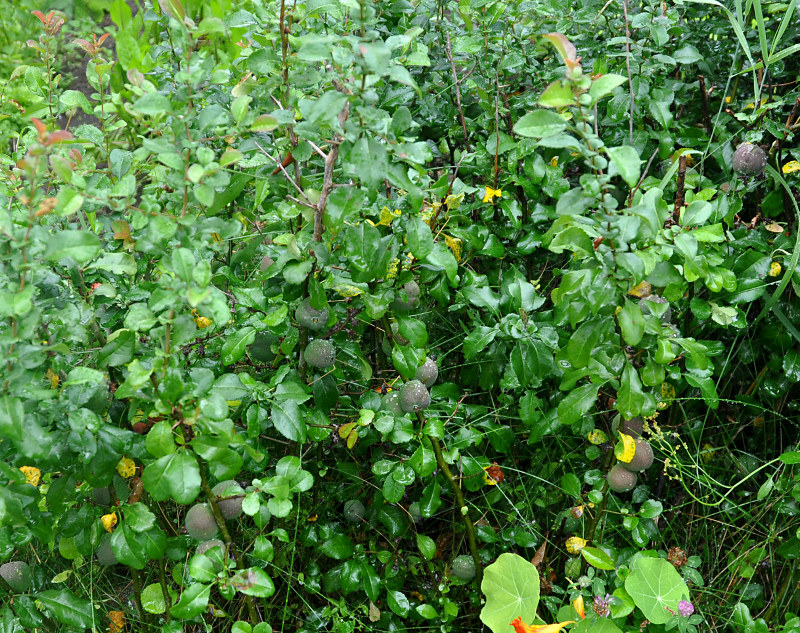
x=202 y=322
x=117 y=619
x=774 y=269
x=53 y=378
x=454 y=244
x=626 y=448
x=575 y=544
x=774 y=227
x=554 y=161
x=791 y=167
x=126 y=468
x=597 y=437
x=32 y=475
x=109 y=521
x=352 y=438
x=642 y=289
x=346 y=429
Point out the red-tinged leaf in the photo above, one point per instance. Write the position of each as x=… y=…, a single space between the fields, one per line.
x=87 y=46
x=538 y=557
x=39 y=15
x=40 y=127
x=59 y=136
x=564 y=47
x=173 y=8
x=102 y=39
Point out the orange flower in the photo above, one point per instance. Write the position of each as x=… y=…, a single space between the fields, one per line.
x=521 y=627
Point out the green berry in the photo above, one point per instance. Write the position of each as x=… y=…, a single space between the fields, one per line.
x=464 y=567
x=320 y=353
x=749 y=160
x=414 y=397
x=391 y=403
x=17 y=574
x=105 y=555
x=354 y=511
x=428 y=372
x=230 y=508
x=620 y=479
x=642 y=458
x=310 y=318
x=200 y=523
x=411 y=291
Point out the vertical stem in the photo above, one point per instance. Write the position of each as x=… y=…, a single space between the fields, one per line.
x=137 y=592
x=226 y=535
x=628 y=66
x=461 y=508
x=162 y=580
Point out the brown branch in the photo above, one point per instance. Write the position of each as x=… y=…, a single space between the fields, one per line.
x=327 y=180
x=449 y=54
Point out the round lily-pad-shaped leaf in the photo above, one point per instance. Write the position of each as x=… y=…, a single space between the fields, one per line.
x=656 y=588
x=511 y=586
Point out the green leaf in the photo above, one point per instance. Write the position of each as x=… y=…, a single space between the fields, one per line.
x=128 y=550
x=630 y=398
x=577 y=403
x=540 y=123
x=557 y=95
x=253 y=582
x=790 y=457
x=193 y=601
x=656 y=586
x=597 y=558
x=477 y=340
x=625 y=159
x=631 y=322
x=288 y=421
x=604 y=85
x=511 y=587
x=420 y=238
x=175 y=476
x=426 y=546
x=153 y=599
x=159 y=440
x=152 y=104
x=138 y=517
x=398 y=603
x=338 y=547
x=236 y=344
x=79 y=245
x=582 y=342
x=67 y=608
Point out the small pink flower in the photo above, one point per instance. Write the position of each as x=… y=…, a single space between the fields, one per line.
x=685 y=608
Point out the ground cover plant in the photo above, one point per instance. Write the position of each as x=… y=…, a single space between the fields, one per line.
x=389 y=316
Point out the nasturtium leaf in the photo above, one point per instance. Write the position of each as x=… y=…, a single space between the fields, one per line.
x=511 y=587
x=656 y=587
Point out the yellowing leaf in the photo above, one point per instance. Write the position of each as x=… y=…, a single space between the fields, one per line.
x=626 y=448
x=53 y=378
x=774 y=269
x=454 y=244
x=117 y=619
x=346 y=429
x=126 y=468
x=202 y=322
x=575 y=544
x=32 y=475
x=791 y=167
x=109 y=521
x=774 y=227
x=597 y=437
x=642 y=289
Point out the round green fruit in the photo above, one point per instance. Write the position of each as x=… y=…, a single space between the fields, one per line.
x=642 y=458
x=427 y=373
x=632 y=427
x=17 y=574
x=310 y=318
x=200 y=523
x=464 y=567
x=261 y=347
x=749 y=160
x=105 y=555
x=620 y=479
x=354 y=511
x=230 y=508
x=320 y=353
x=391 y=403
x=414 y=397
x=411 y=291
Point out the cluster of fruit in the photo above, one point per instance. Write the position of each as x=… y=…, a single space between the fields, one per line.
x=622 y=477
